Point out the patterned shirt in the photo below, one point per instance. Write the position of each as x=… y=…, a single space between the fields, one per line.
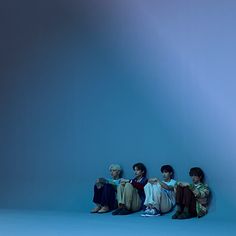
x=201 y=192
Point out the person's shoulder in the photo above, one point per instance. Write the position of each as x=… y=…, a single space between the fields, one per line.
x=144 y=179
x=205 y=185
x=173 y=181
x=116 y=181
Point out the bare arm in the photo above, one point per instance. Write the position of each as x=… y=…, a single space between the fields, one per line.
x=165 y=186
x=153 y=180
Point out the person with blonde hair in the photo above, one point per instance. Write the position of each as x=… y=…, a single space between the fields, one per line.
x=105 y=191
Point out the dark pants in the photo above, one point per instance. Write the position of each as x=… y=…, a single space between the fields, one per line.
x=186 y=199
x=105 y=196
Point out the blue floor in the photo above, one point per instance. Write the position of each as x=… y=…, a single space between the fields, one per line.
x=13 y=222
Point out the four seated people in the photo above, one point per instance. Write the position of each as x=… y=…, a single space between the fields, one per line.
x=154 y=196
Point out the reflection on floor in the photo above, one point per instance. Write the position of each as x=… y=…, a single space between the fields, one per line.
x=34 y=223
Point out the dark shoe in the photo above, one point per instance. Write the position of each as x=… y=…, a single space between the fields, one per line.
x=184 y=215
x=116 y=212
x=125 y=211
x=176 y=215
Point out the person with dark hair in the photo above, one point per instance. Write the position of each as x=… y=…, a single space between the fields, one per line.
x=196 y=171
x=160 y=195
x=130 y=192
x=105 y=191
x=192 y=199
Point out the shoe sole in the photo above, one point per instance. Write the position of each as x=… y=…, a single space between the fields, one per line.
x=116 y=212
x=147 y=215
x=101 y=212
x=143 y=215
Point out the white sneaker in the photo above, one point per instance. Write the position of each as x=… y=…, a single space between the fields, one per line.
x=146 y=212
x=153 y=212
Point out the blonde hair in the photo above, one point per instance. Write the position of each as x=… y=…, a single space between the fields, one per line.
x=115 y=167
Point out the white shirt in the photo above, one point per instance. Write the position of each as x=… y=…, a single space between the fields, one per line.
x=170 y=193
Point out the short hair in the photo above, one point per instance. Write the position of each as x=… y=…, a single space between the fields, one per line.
x=167 y=168
x=197 y=171
x=115 y=167
x=140 y=166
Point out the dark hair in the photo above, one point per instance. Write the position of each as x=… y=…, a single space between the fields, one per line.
x=141 y=166
x=196 y=171
x=167 y=168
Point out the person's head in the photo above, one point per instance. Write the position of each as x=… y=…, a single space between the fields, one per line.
x=115 y=171
x=168 y=172
x=139 y=170
x=196 y=174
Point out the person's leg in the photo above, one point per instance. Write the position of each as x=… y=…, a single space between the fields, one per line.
x=131 y=200
x=120 y=194
x=179 y=201
x=148 y=203
x=97 y=198
x=156 y=196
x=154 y=206
x=165 y=203
x=128 y=195
x=136 y=201
x=108 y=199
x=148 y=189
x=189 y=203
x=120 y=199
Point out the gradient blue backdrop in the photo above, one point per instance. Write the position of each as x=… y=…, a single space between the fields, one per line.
x=87 y=83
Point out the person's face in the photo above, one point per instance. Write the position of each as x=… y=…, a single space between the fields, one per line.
x=138 y=173
x=196 y=179
x=115 y=174
x=166 y=175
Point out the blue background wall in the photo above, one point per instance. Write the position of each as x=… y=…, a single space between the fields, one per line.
x=88 y=83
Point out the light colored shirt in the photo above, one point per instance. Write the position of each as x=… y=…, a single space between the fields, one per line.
x=170 y=193
x=115 y=182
